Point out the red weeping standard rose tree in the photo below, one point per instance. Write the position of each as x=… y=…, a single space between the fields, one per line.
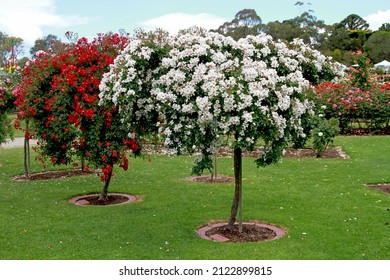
x=59 y=96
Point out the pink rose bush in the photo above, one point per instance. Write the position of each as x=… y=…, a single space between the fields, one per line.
x=358 y=102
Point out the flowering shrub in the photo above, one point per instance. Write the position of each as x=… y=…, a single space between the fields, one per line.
x=59 y=93
x=359 y=75
x=7 y=83
x=324 y=131
x=203 y=86
x=359 y=101
x=128 y=84
x=252 y=89
x=5 y=127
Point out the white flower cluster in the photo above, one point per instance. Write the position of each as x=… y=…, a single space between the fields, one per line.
x=207 y=85
x=127 y=84
x=308 y=55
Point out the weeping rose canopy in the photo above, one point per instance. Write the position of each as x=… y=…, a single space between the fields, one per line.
x=199 y=87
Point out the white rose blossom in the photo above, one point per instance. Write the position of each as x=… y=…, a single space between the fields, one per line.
x=207 y=86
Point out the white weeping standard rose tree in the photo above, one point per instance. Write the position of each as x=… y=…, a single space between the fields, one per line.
x=205 y=86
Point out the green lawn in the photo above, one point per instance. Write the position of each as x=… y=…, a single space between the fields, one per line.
x=17 y=132
x=323 y=203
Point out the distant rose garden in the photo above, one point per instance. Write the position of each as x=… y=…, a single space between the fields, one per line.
x=94 y=105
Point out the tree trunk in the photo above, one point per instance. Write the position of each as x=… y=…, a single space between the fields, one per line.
x=237 y=200
x=214 y=173
x=83 y=164
x=104 y=194
x=27 y=153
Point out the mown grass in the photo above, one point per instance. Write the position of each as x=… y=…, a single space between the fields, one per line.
x=323 y=203
x=16 y=132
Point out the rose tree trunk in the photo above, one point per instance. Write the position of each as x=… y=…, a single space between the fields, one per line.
x=104 y=193
x=237 y=200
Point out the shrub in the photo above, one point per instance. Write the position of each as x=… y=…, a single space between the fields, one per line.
x=59 y=94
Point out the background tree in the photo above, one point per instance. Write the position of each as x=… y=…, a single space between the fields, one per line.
x=246 y=22
x=5 y=123
x=347 y=36
x=377 y=46
x=8 y=80
x=384 y=27
x=305 y=27
x=49 y=43
x=286 y=30
x=354 y=22
x=9 y=46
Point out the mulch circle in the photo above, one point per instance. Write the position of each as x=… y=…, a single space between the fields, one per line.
x=112 y=199
x=208 y=179
x=47 y=175
x=330 y=152
x=252 y=232
x=382 y=187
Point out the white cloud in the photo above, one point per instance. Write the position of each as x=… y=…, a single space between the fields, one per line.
x=176 y=21
x=376 y=20
x=27 y=19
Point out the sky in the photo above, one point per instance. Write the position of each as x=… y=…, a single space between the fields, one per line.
x=34 y=19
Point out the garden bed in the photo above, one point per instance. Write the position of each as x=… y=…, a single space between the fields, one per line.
x=54 y=174
x=251 y=232
x=112 y=199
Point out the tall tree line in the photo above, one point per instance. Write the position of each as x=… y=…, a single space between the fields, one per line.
x=338 y=40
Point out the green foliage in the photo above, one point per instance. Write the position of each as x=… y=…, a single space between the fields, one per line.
x=6 y=43
x=49 y=43
x=7 y=83
x=384 y=27
x=359 y=75
x=324 y=133
x=204 y=162
x=377 y=46
x=357 y=102
x=354 y=22
x=6 y=129
x=246 y=22
x=59 y=94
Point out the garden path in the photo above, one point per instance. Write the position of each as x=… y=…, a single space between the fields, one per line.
x=17 y=142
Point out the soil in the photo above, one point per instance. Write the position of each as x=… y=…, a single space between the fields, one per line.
x=382 y=187
x=367 y=131
x=330 y=152
x=250 y=233
x=112 y=199
x=47 y=175
x=208 y=179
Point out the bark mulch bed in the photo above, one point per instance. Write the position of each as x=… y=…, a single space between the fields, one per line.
x=251 y=232
x=47 y=175
x=112 y=199
x=330 y=152
x=382 y=187
x=208 y=179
